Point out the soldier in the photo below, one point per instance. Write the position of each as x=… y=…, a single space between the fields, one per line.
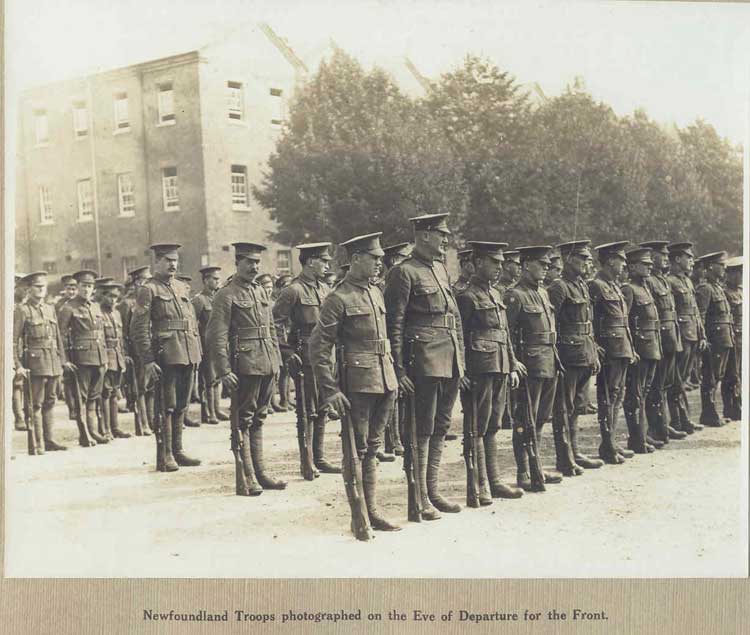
x=116 y=358
x=282 y=330
x=692 y=333
x=508 y=276
x=731 y=387
x=716 y=314
x=299 y=304
x=353 y=317
x=70 y=289
x=82 y=328
x=643 y=319
x=424 y=327
x=266 y=281
x=466 y=267
x=491 y=364
x=531 y=320
x=38 y=355
x=612 y=333
x=555 y=268
x=165 y=338
x=210 y=391
x=576 y=346
x=20 y=291
x=657 y=412
x=244 y=356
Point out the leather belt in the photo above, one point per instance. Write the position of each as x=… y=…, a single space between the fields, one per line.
x=493 y=335
x=548 y=338
x=443 y=321
x=668 y=315
x=614 y=322
x=171 y=325
x=378 y=347
x=575 y=328
x=254 y=332
x=647 y=325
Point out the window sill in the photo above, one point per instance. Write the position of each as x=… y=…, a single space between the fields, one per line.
x=128 y=215
x=171 y=210
x=240 y=208
x=46 y=223
x=237 y=122
x=163 y=124
x=120 y=131
x=85 y=220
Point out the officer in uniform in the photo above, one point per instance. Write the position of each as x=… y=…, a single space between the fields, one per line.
x=38 y=352
x=613 y=336
x=164 y=334
x=82 y=327
x=491 y=364
x=716 y=313
x=643 y=318
x=70 y=290
x=266 y=281
x=19 y=299
x=282 y=331
x=576 y=346
x=692 y=333
x=244 y=356
x=299 y=304
x=466 y=267
x=353 y=317
x=731 y=387
x=511 y=271
x=424 y=327
x=116 y=357
x=555 y=268
x=531 y=320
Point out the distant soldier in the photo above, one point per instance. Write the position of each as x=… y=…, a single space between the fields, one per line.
x=244 y=356
x=692 y=333
x=508 y=276
x=38 y=355
x=491 y=364
x=265 y=280
x=165 y=337
x=70 y=290
x=424 y=327
x=282 y=332
x=116 y=357
x=555 y=268
x=731 y=387
x=716 y=314
x=613 y=336
x=20 y=291
x=466 y=267
x=697 y=277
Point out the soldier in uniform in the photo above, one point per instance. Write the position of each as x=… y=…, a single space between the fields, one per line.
x=164 y=334
x=70 y=289
x=576 y=346
x=353 y=317
x=82 y=327
x=466 y=267
x=299 y=304
x=692 y=333
x=19 y=298
x=643 y=318
x=266 y=281
x=508 y=276
x=531 y=320
x=555 y=268
x=116 y=357
x=613 y=336
x=424 y=327
x=244 y=356
x=491 y=364
x=731 y=387
x=282 y=331
x=657 y=412
x=716 y=314
x=38 y=354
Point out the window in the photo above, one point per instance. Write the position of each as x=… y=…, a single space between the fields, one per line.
x=277 y=107
x=166 y=104
x=50 y=266
x=126 y=194
x=45 y=206
x=284 y=262
x=128 y=263
x=85 y=200
x=122 y=118
x=89 y=263
x=80 y=119
x=169 y=187
x=239 y=187
x=41 y=127
x=235 y=100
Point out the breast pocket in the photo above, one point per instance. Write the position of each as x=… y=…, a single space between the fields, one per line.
x=309 y=309
x=37 y=328
x=161 y=303
x=647 y=309
x=429 y=298
x=487 y=314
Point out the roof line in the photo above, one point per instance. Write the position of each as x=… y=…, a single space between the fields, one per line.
x=283 y=47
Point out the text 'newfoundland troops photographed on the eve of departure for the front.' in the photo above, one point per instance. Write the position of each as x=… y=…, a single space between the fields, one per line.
x=386 y=346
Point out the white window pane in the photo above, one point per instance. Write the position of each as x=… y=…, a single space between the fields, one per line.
x=121 y=112
x=80 y=119
x=85 y=200
x=45 y=205
x=239 y=187
x=235 y=100
x=166 y=103
x=277 y=106
x=170 y=189
x=126 y=190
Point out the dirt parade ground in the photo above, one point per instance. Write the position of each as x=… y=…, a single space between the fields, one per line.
x=106 y=512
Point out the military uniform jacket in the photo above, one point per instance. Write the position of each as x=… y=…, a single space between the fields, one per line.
x=353 y=317
x=569 y=296
x=643 y=318
x=113 y=337
x=59 y=305
x=125 y=309
x=488 y=348
x=423 y=319
x=82 y=327
x=203 y=305
x=734 y=297
x=716 y=315
x=531 y=319
x=460 y=285
x=241 y=335
x=163 y=327
x=611 y=326
x=661 y=291
x=37 y=342
x=688 y=316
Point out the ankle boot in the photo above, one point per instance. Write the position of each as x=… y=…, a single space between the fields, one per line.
x=564 y=455
x=170 y=465
x=254 y=488
x=91 y=423
x=218 y=412
x=319 y=435
x=498 y=489
x=256 y=449
x=102 y=420
x=398 y=447
x=369 y=484
x=485 y=496
x=523 y=476
x=48 y=422
x=636 y=438
x=433 y=469
x=36 y=422
x=180 y=457
x=709 y=416
x=579 y=457
x=423 y=451
x=114 y=422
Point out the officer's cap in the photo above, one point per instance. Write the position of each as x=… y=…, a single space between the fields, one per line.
x=85 y=275
x=30 y=278
x=165 y=250
x=183 y=277
x=485 y=248
x=369 y=244
x=345 y=267
x=67 y=279
x=535 y=252
x=555 y=255
x=639 y=255
x=607 y=250
x=657 y=245
x=431 y=221
x=714 y=258
x=315 y=250
x=401 y=249
x=208 y=269
x=735 y=262
x=108 y=286
x=263 y=277
x=103 y=280
x=575 y=248
x=134 y=273
x=678 y=249
x=512 y=255
x=248 y=250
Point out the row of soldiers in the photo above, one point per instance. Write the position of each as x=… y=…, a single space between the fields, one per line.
x=407 y=344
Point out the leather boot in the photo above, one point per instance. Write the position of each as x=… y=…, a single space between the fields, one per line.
x=114 y=422
x=423 y=451
x=675 y=434
x=549 y=477
x=143 y=416
x=253 y=487
x=319 y=435
x=180 y=457
x=636 y=437
x=398 y=447
x=91 y=423
x=523 y=476
x=498 y=489
x=36 y=421
x=137 y=420
x=208 y=402
x=433 y=469
x=485 y=496
x=564 y=462
x=170 y=465
x=386 y=457
x=256 y=450
x=18 y=419
x=218 y=412
x=709 y=416
x=191 y=423
x=387 y=439
x=102 y=420
x=369 y=484
x=48 y=422
x=655 y=443
x=579 y=457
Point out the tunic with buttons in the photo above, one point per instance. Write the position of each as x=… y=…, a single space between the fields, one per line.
x=82 y=327
x=575 y=331
x=734 y=297
x=611 y=325
x=661 y=291
x=37 y=342
x=688 y=316
x=643 y=318
x=114 y=340
x=203 y=305
x=716 y=314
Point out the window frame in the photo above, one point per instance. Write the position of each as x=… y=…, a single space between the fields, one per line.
x=239 y=88
x=277 y=106
x=164 y=187
x=46 y=215
x=85 y=218
x=50 y=266
x=165 y=118
x=39 y=114
x=123 y=213
x=287 y=254
x=80 y=106
x=119 y=128
x=236 y=205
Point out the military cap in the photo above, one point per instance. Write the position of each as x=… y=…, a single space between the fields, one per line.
x=657 y=245
x=133 y=273
x=29 y=279
x=184 y=277
x=431 y=221
x=248 y=250
x=736 y=262
x=463 y=254
x=485 y=248
x=208 y=269
x=678 y=249
x=607 y=250
x=512 y=255
x=85 y=275
x=162 y=250
x=315 y=250
x=67 y=279
x=103 y=280
x=639 y=255
x=535 y=252
x=345 y=267
x=263 y=276
x=716 y=257
x=401 y=249
x=112 y=285
x=368 y=244
x=555 y=254
x=575 y=248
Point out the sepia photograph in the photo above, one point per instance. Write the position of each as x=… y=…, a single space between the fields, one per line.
x=375 y=289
